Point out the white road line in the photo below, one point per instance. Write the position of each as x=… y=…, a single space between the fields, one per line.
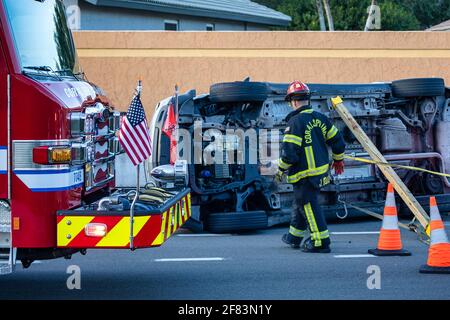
x=202 y=235
x=355 y=232
x=343 y=256
x=189 y=259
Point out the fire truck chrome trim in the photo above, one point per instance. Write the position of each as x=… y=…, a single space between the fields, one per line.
x=8 y=124
x=23 y=154
x=77 y=124
x=99 y=184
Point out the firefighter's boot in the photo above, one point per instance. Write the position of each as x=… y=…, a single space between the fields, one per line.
x=310 y=247
x=292 y=240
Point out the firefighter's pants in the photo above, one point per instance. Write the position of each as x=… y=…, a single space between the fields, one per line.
x=307 y=213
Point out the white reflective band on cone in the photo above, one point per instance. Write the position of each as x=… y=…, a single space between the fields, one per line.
x=390 y=200
x=390 y=222
x=438 y=236
x=434 y=214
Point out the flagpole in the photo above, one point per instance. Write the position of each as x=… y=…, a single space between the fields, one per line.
x=176 y=100
x=175 y=130
x=136 y=197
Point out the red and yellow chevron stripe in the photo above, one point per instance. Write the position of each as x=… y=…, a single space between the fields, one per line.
x=149 y=231
x=175 y=217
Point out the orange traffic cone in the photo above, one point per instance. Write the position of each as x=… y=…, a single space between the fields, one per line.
x=390 y=243
x=439 y=251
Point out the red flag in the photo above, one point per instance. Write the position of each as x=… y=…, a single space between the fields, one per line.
x=171 y=122
x=168 y=129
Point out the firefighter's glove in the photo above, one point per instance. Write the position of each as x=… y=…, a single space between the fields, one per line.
x=338 y=167
x=279 y=176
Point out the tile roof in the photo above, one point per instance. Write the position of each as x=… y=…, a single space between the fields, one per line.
x=444 y=26
x=240 y=10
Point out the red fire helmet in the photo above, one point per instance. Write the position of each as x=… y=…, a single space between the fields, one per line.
x=297 y=90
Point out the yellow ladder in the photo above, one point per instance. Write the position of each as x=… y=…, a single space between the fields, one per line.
x=376 y=155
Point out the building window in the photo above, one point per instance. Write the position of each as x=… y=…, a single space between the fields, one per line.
x=171 y=25
x=210 y=27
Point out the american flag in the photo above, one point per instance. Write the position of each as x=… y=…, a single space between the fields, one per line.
x=133 y=135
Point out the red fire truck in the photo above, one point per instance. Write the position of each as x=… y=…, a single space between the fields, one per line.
x=58 y=146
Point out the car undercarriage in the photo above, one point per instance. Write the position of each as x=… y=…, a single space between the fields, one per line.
x=408 y=120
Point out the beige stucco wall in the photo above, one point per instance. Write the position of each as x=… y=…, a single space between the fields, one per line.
x=116 y=60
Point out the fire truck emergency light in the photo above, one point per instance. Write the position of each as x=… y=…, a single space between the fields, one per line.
x=95 y=230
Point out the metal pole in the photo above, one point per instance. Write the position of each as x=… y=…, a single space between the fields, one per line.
x=136 y=197
x=139 y=88
x=175 y=129
x=8 y=124
x=176 y=101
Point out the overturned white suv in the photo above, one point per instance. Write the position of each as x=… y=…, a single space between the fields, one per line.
x=231 y=174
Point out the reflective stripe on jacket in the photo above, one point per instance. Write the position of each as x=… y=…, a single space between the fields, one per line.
x=304 y=151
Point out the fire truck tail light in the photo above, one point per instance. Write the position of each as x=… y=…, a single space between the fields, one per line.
x=52 y=155
x=40 y=155
x=95 y=230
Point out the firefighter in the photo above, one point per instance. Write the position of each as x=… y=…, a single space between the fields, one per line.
x=305 y=162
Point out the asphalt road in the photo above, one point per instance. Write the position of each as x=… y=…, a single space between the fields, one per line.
x=240 y=266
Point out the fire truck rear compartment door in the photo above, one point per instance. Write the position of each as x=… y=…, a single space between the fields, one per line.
x=151 y=229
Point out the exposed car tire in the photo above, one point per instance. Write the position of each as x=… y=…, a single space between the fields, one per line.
x=418 y=87
x=231 y=221
x=239 y=91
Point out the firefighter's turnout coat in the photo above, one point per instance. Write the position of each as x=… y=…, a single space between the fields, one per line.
x=304 y=153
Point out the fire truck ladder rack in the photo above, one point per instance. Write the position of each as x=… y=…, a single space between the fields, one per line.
x=7 y=252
